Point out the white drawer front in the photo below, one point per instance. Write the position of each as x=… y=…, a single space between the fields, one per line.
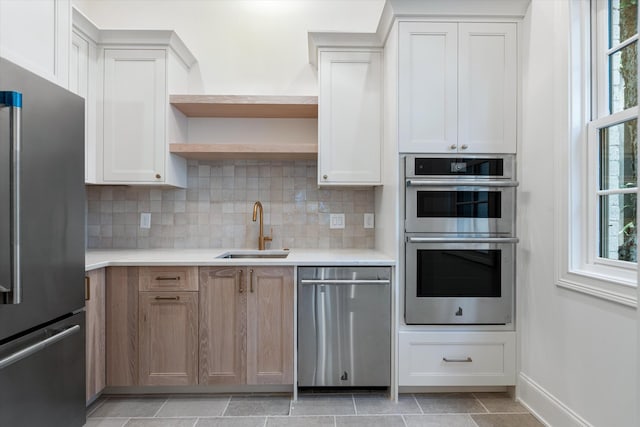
x=470 y=358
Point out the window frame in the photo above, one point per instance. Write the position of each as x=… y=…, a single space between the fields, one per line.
x=578 y=267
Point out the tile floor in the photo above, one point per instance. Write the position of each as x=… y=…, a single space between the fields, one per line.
x=332 y=410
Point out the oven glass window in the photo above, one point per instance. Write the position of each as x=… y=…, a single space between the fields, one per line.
x=459 y=204
x=458 y=273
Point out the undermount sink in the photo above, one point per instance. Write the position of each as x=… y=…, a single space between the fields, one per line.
x=254 y=254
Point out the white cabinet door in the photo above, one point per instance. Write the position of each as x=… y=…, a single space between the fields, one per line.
x=428 y=87
x=457 y=86
x=350 y=117
x=82 y=81
x=35 y=34
x=487 y=87
x=135 y=98
x=79 y=65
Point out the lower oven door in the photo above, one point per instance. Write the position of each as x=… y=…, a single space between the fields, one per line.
x=459 y=281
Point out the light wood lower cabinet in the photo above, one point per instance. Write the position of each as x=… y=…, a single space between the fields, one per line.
x=95 y=332
x=168 y=338
x=122 y=326
x=223 y=308
x=232 y=326
x=246 y=325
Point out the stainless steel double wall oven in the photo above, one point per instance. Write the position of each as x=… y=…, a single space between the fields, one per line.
x=460 y=239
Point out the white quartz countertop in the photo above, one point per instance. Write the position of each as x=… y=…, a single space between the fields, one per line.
x=145 y=257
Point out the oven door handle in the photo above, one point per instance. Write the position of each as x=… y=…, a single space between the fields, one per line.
x=460 y=183
x=463 y=239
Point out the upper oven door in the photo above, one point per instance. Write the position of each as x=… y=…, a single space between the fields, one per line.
x=460 y=207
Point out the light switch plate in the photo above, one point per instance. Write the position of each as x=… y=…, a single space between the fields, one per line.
x=336 y=220
x=145 y=220
x=368 y=220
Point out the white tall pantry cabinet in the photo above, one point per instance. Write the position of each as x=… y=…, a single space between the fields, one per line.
x=457 y=87
x=455 y=92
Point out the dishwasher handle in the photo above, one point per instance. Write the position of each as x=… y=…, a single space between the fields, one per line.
x=344 y=282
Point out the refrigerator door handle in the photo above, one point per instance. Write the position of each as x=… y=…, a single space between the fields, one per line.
x=12 y=294
x=34 y=348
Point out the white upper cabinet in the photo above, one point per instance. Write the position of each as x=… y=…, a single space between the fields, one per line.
x=457 y=87
x=135 y=121
x=135 y=99
x=428 y=86
x=487 y=91
x=83 y=70
x=36 y=34
x=350 y=117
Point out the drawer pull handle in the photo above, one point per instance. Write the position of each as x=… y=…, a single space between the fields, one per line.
x=467 y=360
x=87 y=288
x=168 y=298
x=168 y=278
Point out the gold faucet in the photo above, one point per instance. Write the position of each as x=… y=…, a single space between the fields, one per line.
x=262 y=238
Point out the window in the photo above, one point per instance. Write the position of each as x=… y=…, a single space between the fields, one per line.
x=598 y=239
x=613 y=130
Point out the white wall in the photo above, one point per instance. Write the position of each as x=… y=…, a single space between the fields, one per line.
x=256 y=47
x=578 y=354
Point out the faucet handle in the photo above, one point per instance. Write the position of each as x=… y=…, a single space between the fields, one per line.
x=269 y=238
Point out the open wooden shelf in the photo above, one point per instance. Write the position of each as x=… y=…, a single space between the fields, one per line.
x=246 y=151
x=297 y=107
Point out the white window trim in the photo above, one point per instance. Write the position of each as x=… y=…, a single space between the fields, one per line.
x=577 y=268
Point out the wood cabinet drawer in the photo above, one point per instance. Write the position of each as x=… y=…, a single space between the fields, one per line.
x=169 y=278
x=460 y=358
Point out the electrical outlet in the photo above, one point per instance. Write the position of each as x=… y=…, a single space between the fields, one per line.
x=145 y=220
x=368 y=220
x=336 y=220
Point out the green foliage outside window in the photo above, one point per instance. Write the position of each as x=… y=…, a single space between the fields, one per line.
x=628 y=10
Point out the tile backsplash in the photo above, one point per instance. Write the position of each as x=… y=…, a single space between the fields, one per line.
x=215 y=210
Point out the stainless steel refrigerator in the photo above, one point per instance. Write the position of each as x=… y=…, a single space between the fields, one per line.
x=42 y=226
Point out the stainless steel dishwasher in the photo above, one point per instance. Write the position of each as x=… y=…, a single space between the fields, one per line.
x=344 y=326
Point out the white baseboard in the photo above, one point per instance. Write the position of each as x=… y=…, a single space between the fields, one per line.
x=547 y=408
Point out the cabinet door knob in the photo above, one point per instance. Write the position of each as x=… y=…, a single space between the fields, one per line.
x=464 y=146
x=158 y=176
x=325 y=176
x=453 y=146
